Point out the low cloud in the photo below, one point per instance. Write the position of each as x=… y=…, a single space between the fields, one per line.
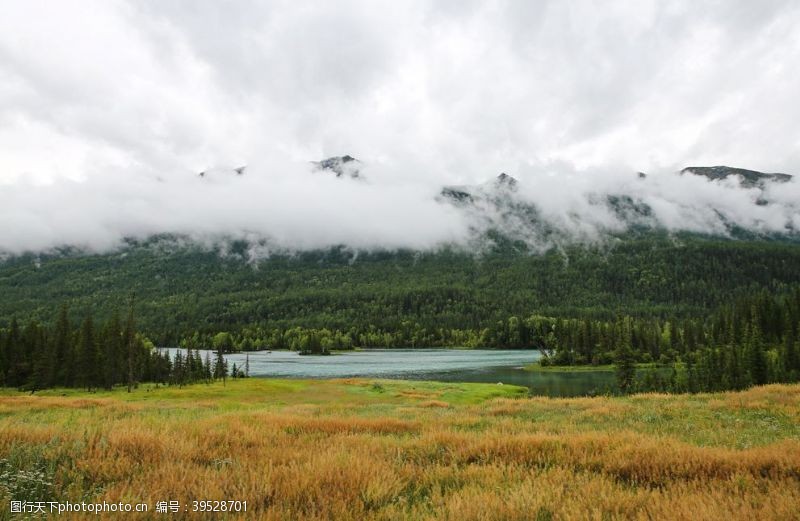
x=109 y=109
x=296 y=206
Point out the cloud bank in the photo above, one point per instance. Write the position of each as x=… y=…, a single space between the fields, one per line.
x=109 y=109
x=295 y=206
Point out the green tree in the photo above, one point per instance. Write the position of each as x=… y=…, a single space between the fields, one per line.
x=222 y=342
x=112 y=352
x=43 y=362
x=220 y=366
x=625 y=359
x=791 y=357
x=757 y=358
x=13 y=360
x=63 y=351
x=129 y=341
x=88 y=359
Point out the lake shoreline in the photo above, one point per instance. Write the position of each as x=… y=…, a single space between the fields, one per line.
x=535 y=367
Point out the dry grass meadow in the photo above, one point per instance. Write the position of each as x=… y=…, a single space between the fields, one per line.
x=367 y=449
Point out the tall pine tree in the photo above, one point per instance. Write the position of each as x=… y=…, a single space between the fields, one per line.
x=88 y=357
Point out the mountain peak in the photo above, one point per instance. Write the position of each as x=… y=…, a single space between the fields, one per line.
x=506 y=181
x=747 y=178
x=223 y=171
x=342 y=166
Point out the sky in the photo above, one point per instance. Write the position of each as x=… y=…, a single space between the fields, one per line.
x=109 y=109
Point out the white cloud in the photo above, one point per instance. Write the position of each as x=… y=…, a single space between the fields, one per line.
x=115 y=94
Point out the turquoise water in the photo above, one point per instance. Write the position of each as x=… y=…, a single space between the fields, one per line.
x=554 y=384
x=446 y=365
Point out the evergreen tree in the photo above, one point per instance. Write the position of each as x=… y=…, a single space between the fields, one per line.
x=207 y=370
x=673 y=379
x=128 y=337
x=63 y=351
x=691 y=374
x=112 y=352
x=13 y=361
x=88 y=359
x=757 y=358
x=791 y=357
x=3 y=359
x=199 y=373
x=625 y=368
x=220 y=369
x=178 y=369
x=43 y=362
x=625 y=360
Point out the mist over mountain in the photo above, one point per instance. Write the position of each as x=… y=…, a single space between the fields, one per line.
x=364 y=206
x=360 y=124
x=371 y=163
x=346 y=165
x=748 y=178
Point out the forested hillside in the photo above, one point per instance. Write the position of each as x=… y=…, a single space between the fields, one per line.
x=184 y=291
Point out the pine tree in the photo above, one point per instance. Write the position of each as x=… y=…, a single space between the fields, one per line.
x=43 y=362
x=128 y=337
x=673 y=379
x=12 y=349
x=791 y=357
x=88 y=366
x=63 y=350
x=178 y=369
x=189 y=366
x=625 y=360
x=29 y=354
x=220 y=369
x=691 y=374
x=199 y=373
x=207 y=371
x=757 y=358
x=3 y=359
x=112 y=352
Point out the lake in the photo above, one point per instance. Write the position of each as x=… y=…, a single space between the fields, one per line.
x=445 y=365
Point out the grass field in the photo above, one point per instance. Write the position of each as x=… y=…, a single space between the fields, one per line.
x=369 y=449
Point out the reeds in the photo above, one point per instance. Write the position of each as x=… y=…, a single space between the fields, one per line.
x=397 y=455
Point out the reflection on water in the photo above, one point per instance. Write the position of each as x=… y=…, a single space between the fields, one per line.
x=554 y=384
x=447 y=365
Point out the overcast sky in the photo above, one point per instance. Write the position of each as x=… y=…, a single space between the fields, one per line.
x=454 y=89
x=113 y=93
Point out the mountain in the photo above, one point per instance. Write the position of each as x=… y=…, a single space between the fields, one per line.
x=502 y=185
x=520 y=264
x=747 y=178
x=213 y=172
x=504 y=204
x=182 y=288
x=342 y=166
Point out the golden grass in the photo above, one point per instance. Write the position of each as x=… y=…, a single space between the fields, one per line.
x=353 y=450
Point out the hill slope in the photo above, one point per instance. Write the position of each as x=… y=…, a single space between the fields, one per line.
x=180 y=289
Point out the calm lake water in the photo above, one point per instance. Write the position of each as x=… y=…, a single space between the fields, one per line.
x=445 y=365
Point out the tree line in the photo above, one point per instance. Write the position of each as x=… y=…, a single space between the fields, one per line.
x=434 y=298
x=98 y=356
x=751 y=341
